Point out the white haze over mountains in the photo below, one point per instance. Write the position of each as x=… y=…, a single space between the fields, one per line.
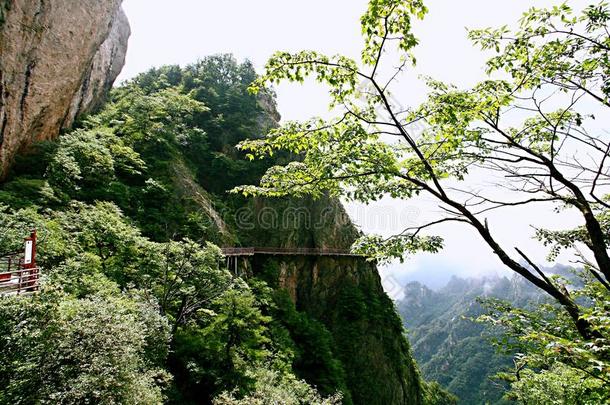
x=181 y=31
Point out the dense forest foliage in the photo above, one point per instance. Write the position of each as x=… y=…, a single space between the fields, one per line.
x=137 y=305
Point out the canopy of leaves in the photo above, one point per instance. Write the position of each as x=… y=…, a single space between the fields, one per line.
x=552 y=355
x=107 y=348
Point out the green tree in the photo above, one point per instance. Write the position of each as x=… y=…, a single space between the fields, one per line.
x=184 y=276
x=218 y=352
x=273 y=387
x=86 y=163
x=313 y=346
x=557 y=65
x=557 y=386
x=103 y=230
x=239 y=331
x=554 y=363
x=434 y=394
x=102 y=349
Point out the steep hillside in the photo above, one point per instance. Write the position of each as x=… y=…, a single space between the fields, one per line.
x=58 y=59
x=346 y=295
x=162 y=153
x=452 y=349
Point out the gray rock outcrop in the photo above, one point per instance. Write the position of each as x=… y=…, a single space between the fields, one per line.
x=58 y=59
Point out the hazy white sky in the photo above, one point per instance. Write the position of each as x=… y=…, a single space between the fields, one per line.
x=181 y=31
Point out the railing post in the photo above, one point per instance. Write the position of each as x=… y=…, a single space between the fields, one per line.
x=29 y=262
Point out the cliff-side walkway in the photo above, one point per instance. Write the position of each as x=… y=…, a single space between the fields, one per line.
x=251 y=251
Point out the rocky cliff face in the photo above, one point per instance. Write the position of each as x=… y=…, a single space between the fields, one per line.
x=343 y=293
x=346 y=295
x=57 y=60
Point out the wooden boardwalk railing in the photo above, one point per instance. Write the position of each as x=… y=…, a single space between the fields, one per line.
x=18 y=271
x=15 y=277
x=251 y=251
